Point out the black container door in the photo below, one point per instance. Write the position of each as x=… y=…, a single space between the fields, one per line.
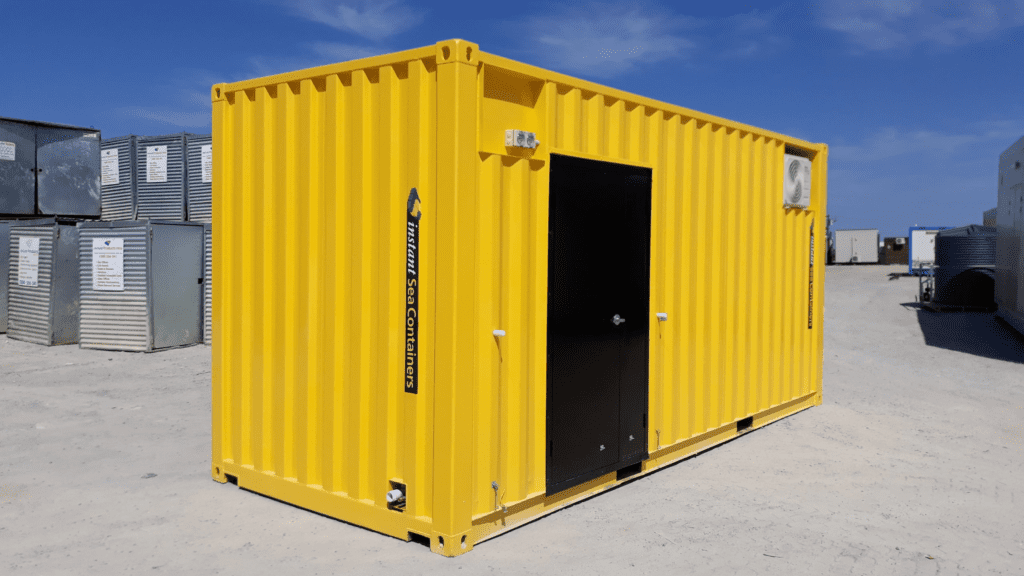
x=598 y=318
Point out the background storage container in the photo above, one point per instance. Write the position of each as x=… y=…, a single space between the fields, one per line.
x=161 y=181
x=142 y=285
x=922 y=248
x=856 y=247
x=43 y=299
x=118 y=157
x=49 y=169
x=382 y=316
x=1010 y=236
x=200 y=177
x=896 y=250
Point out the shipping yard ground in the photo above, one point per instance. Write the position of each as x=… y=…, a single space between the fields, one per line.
x=914 y=464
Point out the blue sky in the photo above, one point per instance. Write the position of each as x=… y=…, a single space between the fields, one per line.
x=915 y=98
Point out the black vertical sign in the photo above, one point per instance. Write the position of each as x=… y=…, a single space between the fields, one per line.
x=412 y=292
x=810 y=284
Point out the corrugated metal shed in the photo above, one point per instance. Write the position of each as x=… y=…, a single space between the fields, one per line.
x=119 y=174
x=141 y=285
x=200 y=177
x=43 y=299
x=161 y=177
x=5 y=261
x=383 y=261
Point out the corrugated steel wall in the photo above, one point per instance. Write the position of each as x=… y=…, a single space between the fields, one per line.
x=730 y=267
x=162 y=200
x=5 y=260
x=114 y=320
x=310 y=280
x=200 y=201
x=208 y=285
x=118 y=200
x=30 y=315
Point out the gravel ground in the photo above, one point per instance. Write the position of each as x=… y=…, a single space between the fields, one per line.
x=913 y=465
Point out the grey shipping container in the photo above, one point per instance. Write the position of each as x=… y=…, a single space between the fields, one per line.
x=208 y=285
x=119 y=178
x=199 y=167
x=161 y=187
x=141 y=285
x=43 y=299
x=49 y=169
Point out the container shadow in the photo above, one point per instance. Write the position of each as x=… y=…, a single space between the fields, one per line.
x=977 y=333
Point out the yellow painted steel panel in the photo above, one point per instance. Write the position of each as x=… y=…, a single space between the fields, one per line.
x=313 y=173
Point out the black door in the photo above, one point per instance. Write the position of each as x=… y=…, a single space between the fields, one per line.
x=598 y=318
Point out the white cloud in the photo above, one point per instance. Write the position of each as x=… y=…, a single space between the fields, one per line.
x=184 y=119
x=321 y=53
x=371 y=19
x=889 y=142
x=609 y=39
x=879 y=25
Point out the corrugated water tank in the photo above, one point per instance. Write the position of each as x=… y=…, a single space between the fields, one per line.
x=965 y=260
x=141 y=285
x=118 y=182
x=43 y=299
x=200 y=177
x=161 y=177
x=49 y=169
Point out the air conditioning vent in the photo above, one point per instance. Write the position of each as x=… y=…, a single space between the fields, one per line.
x=796 y=187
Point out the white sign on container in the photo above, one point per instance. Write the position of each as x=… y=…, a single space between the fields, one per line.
x=207 y=159
x=7 y=151
x=28 y=261
x=156 y=163
x=110 y=170
x=108 y=264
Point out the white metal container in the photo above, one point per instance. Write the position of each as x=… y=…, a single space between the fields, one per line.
x=856 y=247
x=1010 y=236
x=922 y=248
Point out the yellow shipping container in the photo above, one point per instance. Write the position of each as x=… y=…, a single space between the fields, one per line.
x=434 y=326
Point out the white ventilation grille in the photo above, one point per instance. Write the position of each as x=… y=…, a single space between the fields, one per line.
x=796 y=188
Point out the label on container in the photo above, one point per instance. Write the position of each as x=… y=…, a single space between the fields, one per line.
x=412 y=293
x=156 y=163
x=28 y=261
x=7 y=151
x=108 y=264
x=110 y=172
x=206 y=156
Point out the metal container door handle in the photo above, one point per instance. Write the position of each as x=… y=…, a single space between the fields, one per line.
x=618 y=320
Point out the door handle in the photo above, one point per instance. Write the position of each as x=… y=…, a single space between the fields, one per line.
x=618 y=320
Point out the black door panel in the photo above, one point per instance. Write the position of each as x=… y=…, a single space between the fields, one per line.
x=598 y=318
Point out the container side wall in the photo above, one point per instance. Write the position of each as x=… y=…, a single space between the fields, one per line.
x=117 y=190
x=5 y=261
x=731 y=267
x=312 y=177
x=116 y=319
x=1009 y=290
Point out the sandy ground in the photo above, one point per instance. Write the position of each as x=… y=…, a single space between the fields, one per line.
x=913 y=465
